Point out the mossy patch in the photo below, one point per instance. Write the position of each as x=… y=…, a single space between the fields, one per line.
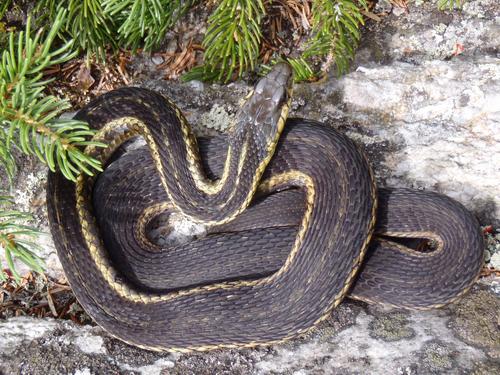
x=475 y=320
x=436 y=357
x=390 y=327
x=486 y=368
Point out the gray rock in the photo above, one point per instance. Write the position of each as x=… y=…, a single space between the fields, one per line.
x=424 y=33
x=351 y=341
x=427 y=113
x=495 y=260
x=157 y=60
x=475 y=320
x=436 y=125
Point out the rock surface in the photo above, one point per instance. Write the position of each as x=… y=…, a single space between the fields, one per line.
x=423 y=99
x=435 y=126
x=356 y=339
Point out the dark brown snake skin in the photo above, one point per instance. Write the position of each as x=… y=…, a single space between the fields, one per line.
x=279 y=267
x=259 y=240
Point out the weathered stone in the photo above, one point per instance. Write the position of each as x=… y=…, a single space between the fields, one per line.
x=157 y=59
x=424 y=33
x=344 y=344
x=495 y=260
x=486 y=368
x=434 y=125
x=476 y=321
x=391 y=327
x=423 y=100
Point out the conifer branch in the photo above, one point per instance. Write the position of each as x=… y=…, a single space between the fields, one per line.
x=144 y=22
x=335 y=30
x=17 y=239
x=29 y=118
x=29 y=121
x=91 y=29
x=4 y=7
x=7 y=161
x=232 y=41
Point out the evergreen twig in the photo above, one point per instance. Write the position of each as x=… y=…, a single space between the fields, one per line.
x=232 y=40
x=29 y=118
x=335 y=30
x=91 y=29
x=17 y=239
x=144 y=22
x=29 y=121
x=302 y=71
x=4 y=7
x=7 y=161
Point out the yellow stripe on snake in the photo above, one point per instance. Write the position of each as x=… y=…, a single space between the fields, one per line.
x=291 y=206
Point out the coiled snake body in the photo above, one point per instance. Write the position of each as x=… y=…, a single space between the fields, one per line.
x=270 y=268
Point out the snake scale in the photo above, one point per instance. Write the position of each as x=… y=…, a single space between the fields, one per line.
x=290 y=206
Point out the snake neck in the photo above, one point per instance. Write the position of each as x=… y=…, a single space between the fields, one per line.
x=249 y=151
x=253 y=139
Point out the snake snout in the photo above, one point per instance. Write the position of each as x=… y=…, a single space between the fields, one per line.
x=278 y=79
x=283 y=73
x=269 y=101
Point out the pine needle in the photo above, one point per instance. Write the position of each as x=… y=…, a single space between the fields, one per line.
x=29 y=119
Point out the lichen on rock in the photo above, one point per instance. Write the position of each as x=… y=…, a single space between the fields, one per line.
x=423 y=100
x=476 y=320
x=391 y=327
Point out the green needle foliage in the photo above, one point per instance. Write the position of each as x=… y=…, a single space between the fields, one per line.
x=450 y=4
x=7 y=161
x=17 y=239
x=4 y=7
x=144 y=22
x=232 y=40
x=96 y=25
x=91 y=29
x=302 y=71
x=29 y=121
x=28 y=117
x=335 y=30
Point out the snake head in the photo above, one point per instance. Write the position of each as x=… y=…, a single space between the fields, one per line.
x=262 y=118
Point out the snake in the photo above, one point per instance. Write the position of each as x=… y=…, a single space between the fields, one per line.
x=294 y=223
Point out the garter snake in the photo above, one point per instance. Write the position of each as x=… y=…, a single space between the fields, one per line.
x=269 y=269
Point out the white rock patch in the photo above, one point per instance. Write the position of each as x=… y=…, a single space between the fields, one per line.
x=85 y=371
x=445 y=119
x=355 y=347
x=155 y=368
x=15 y=331
x=90 y=344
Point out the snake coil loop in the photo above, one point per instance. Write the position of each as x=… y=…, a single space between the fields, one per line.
x=269 y=268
